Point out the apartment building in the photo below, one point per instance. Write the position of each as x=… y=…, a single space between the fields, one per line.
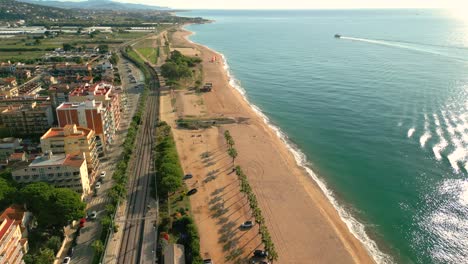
x=9 y=146
x=11 y=242
x=89 y=114
x=103 y=92
x=27 y=119
x=73 y=140
x=61 y=170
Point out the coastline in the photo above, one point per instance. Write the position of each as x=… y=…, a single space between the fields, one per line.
x=345 y=244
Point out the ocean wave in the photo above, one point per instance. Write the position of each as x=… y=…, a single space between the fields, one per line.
x=354 y=226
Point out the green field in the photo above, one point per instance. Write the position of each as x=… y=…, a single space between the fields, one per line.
x=21 y=48
x=149 y=53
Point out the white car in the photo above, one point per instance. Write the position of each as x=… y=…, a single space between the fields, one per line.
x=92 y=215
x=103 y=174
x=66 y=260
x=98 y=185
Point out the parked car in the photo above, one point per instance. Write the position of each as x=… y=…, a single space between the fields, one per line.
x=101 y=180
x=98 y=185
x=92 y=215
x=188 y=176
x=103 y=174
x=247 y=225
x=66 y=260
x=71 y=251
x=193 y=191
x=258 y=261
x=208 y=261
x=260 y=253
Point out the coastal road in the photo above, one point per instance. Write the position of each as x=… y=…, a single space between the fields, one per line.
x=134 y=244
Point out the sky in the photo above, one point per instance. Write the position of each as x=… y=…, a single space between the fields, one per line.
x=304 y=4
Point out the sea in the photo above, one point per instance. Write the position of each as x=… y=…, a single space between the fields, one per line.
x=379 y=116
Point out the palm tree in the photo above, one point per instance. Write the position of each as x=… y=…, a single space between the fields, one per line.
x=232 y=152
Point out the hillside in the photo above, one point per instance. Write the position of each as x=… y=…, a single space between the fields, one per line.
x=96 y=5
x=13 y=10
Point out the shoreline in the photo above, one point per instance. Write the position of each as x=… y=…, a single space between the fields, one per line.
x=355 y=227
x=293 y=202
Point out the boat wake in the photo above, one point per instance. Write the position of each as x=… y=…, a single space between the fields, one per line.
x=428 y=49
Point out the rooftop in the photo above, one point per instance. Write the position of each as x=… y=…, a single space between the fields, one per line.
x=57 y=160
x=67 y=131
x=90 y=104
x=97 y=89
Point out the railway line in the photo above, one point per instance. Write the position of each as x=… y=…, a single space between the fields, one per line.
x=138 y=195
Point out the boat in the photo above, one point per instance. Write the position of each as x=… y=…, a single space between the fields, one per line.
x=337 y=36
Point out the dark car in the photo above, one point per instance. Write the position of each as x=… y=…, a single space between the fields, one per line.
x=260 y=253
x=193 y=191
x=188 y=176
x=71 y=251
x=247 y=225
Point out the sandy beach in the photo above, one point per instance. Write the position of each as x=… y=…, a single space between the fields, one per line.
x=304 y=225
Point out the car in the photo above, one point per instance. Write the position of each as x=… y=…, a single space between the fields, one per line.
x=66 y=260
x=193 y=191
x=247 y=225
x=71 y=251
x=100 y=180
x=92 y=215
x=260 y=253
x=208 y=261
x=188 y=176
x=103 y=174
x=258 y=261
x=98 y=185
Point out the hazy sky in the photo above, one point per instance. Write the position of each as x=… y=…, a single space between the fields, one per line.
x=304 y=4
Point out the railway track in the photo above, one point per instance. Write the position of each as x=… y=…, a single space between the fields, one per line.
x=138 y=194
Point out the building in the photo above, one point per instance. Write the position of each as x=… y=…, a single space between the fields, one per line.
x=11 y=243
x=24 y=100
x=25 y=119
x=9 y=146
x=89 y=114
x=61 y=170
x=8 y=91
x=103 y=92
x=10 y=81
x=59 y=94
x=30 y=88
x=73 y=140
x=22 y=217
x=71 y=69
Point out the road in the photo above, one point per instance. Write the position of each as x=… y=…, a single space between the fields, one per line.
x=134 y=244
x=83 y=251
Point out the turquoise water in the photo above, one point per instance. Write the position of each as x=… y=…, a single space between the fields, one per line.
x=381 y=113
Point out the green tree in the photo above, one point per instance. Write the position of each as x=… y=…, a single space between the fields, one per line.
x=67 y=47
x=7 y=192
x=114 y=59
x=45 y=256
x=103 y=48
x=36 y=197
x=98 y=247
x=232 y=152
x=67 y=203
x=170 y=184
x=54 y=243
